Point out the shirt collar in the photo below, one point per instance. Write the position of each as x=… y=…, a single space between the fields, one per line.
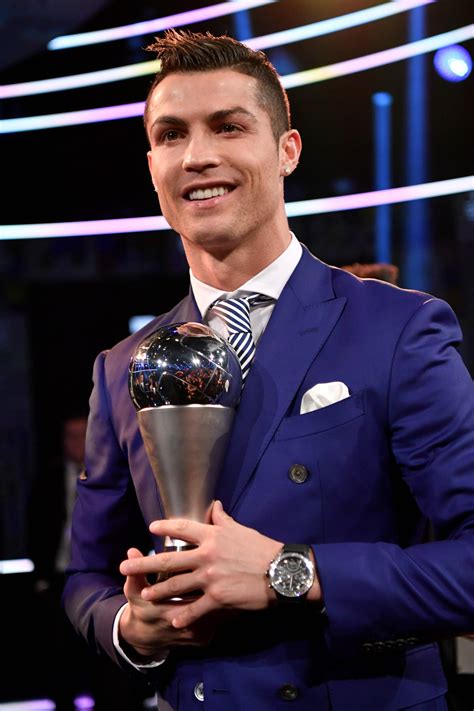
x=270 y=281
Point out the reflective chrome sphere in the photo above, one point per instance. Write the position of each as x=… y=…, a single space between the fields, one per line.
x=184 y=364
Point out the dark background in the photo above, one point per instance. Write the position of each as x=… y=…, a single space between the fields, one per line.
x=63 y=300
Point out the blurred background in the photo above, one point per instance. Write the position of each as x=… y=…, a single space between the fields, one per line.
x=382 y=95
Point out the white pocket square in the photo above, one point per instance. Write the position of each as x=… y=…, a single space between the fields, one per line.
x=322 y=395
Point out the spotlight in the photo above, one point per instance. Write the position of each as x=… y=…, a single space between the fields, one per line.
x=453 y=63
x=137 y=322
x=84 y=703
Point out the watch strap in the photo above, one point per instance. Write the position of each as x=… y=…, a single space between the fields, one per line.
x=302 y=548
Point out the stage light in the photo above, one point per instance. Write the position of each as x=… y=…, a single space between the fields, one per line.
x=138 y=29
x=334 y=24
x=30 y=705
x=289 y=81
x=275 y=39
x=293 y=209
x=378 y=59
x=84 y=703
x=135 y=323
x=453 y=63
x=15 y=566
x=79 y=81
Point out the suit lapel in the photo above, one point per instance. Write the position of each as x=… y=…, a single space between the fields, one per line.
x=302 y=320
x=185 y=311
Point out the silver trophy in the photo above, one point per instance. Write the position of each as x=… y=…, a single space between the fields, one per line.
x=185 y=382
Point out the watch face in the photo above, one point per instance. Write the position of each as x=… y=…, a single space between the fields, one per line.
x=292 y=574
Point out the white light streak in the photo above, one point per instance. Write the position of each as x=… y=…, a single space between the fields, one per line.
x=293 y=209
x=159 y=24
x=17 y=565
x=276 y=39
x=78 y=81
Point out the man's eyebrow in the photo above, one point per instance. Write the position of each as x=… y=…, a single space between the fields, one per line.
x=225 y=113
x=167 y=121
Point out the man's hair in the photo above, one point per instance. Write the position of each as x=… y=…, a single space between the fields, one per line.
x=183 y=51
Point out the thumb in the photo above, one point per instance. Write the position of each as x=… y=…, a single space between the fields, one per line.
x=218 y=515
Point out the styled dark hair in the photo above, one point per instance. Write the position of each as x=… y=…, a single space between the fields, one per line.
x=184 y=51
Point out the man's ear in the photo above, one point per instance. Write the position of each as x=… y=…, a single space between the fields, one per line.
x=290 y=150
x=149 y=157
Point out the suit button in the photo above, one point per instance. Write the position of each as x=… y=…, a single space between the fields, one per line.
x=199 y=691
x=298 y=473
x=288 y=692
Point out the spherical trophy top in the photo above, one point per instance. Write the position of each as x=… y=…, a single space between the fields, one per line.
x=184 y=364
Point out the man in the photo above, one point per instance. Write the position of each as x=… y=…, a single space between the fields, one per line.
x=348 y=486
x=56 y=489
x=51 y=504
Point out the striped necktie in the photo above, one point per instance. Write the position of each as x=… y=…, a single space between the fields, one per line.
x=236 y=314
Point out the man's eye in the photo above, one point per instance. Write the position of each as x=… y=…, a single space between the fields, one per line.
x=229 y=128
x=170 y=135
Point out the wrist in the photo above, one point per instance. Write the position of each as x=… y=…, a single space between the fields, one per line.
x=143 y=656
x=315 y=593
x=131 y=643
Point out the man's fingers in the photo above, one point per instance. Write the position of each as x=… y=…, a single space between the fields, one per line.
x=193 y=612
x=134 y=583
x=175 y=586
x=134 y=553
x=181 y=528
x=160 y=563
x=125 y=567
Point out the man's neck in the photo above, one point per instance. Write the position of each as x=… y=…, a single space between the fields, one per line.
x=229 y=270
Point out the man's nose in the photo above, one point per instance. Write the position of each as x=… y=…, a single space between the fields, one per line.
x=200 y=154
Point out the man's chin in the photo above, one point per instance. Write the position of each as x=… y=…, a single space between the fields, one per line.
x=210 y=240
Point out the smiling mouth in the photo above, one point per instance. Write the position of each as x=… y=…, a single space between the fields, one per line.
x=208 y=193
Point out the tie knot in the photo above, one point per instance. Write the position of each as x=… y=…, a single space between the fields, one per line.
x=236 y=312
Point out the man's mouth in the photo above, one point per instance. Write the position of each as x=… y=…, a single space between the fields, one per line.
x=207 y=193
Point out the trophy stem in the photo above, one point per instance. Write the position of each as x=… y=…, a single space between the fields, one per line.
x=186 y=446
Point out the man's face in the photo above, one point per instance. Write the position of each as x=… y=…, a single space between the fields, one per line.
x=214 y=160
x=74 y=439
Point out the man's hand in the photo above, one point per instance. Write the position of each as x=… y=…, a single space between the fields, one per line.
x=146 y=626
x=228 y=566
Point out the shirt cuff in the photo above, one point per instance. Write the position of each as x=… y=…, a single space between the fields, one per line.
x=115 y=637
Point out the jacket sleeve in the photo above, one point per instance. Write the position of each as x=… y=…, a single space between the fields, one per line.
x=378 y=594
x=106 y=522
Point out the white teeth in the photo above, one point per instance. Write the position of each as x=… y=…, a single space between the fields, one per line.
x=208 y=193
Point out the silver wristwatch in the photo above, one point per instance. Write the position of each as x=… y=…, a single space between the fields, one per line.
x=291 y=574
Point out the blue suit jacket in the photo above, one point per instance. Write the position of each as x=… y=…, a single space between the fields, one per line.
x=398 y=451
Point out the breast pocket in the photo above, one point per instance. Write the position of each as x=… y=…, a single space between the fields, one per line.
x=326 y=418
